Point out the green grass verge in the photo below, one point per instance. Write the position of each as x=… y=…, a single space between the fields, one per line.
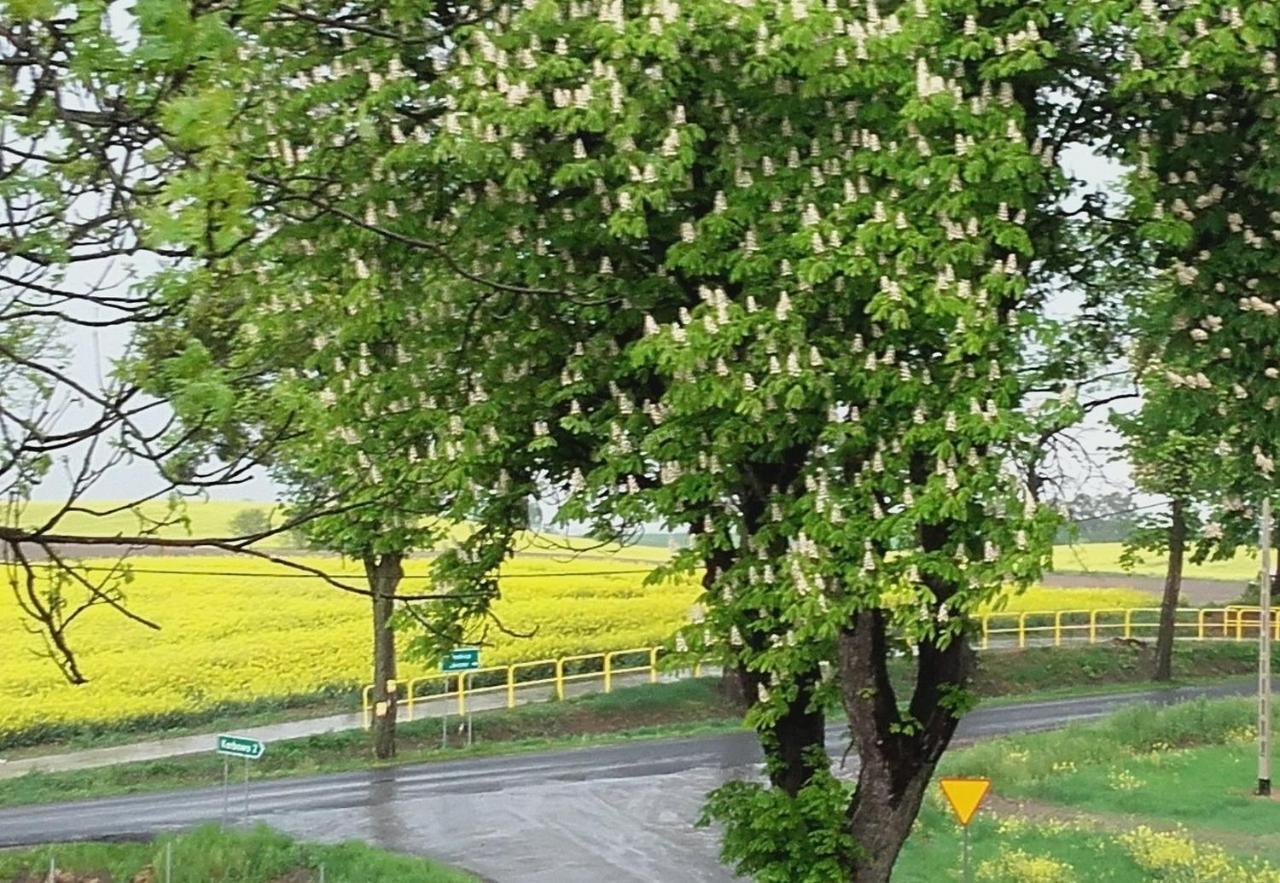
x=1189 y=766
x=1012 y=853
x=1150 y=793
x=223 y=716
x=209 y=855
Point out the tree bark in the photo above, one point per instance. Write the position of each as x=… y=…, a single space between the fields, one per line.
x=795 y=746
x=1172 y=590
x=898 y=753
x=736 y=686
x=384 y=574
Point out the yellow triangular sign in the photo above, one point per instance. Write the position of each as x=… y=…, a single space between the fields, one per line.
x=965 y=796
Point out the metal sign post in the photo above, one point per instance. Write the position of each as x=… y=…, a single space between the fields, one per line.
x=462 y=661
x=1264 y=655
x=226 y=774
x=245 y=748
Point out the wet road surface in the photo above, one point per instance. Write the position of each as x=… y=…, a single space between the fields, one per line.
x=619 y=813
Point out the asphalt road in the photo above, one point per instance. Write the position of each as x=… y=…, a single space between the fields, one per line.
x=620 y=813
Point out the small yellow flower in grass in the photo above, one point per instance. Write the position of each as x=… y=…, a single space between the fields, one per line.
x=1245 y=735
x=1123 y=780
x=1011 y=826
x=1016 y=865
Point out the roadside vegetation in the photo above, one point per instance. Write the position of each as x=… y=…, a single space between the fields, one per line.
x=1149 y=793
x=689 y=707
x=211 y=855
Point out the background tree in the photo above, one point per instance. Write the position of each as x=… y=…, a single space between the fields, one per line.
x=250 y=520
x=1196 y=108
x=315 y=281
x=81 y=153
x=1169 y=461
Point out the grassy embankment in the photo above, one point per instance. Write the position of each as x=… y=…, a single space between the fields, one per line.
x=208 y=855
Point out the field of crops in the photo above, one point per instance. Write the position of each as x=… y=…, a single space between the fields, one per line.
x=1105 y=558
x=210 y=518
x=264 y=633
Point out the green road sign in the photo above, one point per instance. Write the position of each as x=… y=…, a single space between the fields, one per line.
x=241 y=746
x=461 y=659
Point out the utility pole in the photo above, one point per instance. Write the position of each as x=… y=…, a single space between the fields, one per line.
x=1264 y=655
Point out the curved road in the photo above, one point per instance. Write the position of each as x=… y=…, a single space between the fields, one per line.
x=620 y=813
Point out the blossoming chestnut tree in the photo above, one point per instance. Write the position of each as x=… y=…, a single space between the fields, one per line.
x=774 y=258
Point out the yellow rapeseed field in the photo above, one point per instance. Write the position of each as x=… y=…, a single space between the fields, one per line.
x=265 y=634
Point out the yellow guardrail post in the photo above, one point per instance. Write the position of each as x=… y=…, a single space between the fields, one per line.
x=462 y=696
x=1057 y=629
x=986 y=630
x=1200 y=624
x=1093 y=626
x=653 y=665
x=409 y=697
x=511 y=686
x=1128 y=623
x=560 y=678
x=1239 y=625
x=364 y=707
x=608 y=672
x=1022 y=630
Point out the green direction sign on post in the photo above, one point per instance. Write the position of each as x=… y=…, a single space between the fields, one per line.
x=241 y=746
x=461 y=659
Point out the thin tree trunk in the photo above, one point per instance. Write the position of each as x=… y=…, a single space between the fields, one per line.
x=736 y=686
x=795 y=746
x=384 y=575
x=897 y=754
x=1172 y=590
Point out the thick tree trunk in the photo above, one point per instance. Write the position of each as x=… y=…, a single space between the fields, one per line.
x=384 y=575
x=897 y=753
x=1172 y=589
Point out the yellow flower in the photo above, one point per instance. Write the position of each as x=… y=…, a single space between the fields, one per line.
x=1016 y=866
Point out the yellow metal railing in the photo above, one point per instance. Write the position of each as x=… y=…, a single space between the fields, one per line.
x=604 y=667
x=1027 y=627
x=1015 y=629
